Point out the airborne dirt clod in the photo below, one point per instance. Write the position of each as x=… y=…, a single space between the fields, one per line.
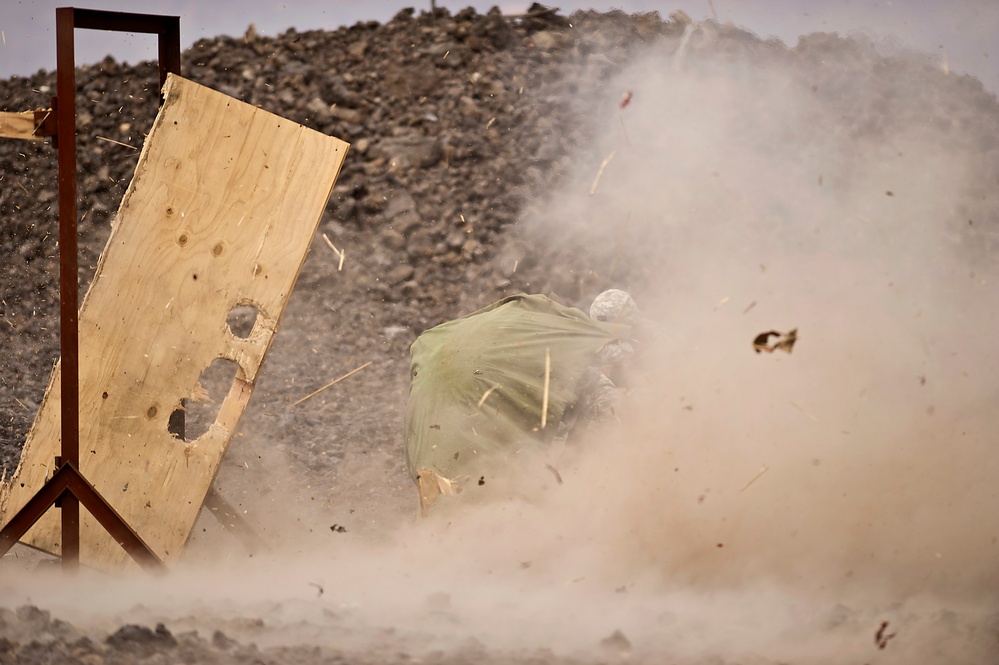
x=751 y=507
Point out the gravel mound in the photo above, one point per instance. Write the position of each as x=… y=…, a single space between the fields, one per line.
x=456 y=123
x=459 y=125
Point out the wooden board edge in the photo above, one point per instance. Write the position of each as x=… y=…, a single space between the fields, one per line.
x=19 y=125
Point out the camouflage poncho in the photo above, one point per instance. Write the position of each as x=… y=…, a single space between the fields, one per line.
x=478 y=382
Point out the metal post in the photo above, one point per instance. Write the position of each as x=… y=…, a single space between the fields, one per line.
x=68 y=277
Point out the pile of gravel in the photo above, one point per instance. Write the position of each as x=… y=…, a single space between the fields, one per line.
x=454 y=122
x=457 y=122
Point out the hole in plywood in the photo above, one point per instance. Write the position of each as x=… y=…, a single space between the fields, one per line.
x=176 y=422
x=201 y=409
x=241 y=319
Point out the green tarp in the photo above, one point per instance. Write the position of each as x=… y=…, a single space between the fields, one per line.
x=477 y=383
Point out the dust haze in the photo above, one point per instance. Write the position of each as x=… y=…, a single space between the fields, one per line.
x=747 y=507
x=740 y=199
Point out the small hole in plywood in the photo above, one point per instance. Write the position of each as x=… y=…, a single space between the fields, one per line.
x=176 y=423
x=201 y=409
x=241 y=319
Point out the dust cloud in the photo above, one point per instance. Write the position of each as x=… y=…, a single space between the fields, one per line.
x=748 y=507
x=754 y=199
x=839 y=192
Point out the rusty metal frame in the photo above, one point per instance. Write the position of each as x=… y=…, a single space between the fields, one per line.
x=68 y=481
x=68 y=488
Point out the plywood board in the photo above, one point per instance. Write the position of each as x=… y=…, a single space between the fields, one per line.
x=18 y=125
x=220 y=213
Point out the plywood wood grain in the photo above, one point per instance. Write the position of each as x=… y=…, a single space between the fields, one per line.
x=221 y=210
x=18 y=125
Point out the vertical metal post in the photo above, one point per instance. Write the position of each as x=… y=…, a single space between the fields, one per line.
x=68 y=278
x=169 y=48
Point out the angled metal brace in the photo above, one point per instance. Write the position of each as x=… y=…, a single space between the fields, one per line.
x=67 y=481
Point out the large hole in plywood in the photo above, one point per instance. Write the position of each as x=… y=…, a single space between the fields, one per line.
x=241 y=319
x=201 y=409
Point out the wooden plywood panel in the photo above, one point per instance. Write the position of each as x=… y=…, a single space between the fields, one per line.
x=18 y=125
x=221 y=210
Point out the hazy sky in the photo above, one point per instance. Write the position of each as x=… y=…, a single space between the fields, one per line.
x=965 y=32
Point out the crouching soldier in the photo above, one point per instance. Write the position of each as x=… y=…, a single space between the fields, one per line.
x=512 y=375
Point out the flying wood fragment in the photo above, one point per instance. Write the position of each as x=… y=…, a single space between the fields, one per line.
x=805 y=411
x=332 y=383
x=558 y=476
x=603 y=165
x=752 y=480
x=882 y=635
x=544 y=396
x=784 y=342
x=104 y=138
x=339 y=252
x=485 y=396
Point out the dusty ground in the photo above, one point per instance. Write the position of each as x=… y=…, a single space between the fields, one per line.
x=467 y=131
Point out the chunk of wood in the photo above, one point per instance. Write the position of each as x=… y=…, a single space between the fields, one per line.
x=223 y=206
x=784 y=341
x=19 y=125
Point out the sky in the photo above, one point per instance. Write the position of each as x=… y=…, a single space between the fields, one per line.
x=963 y=34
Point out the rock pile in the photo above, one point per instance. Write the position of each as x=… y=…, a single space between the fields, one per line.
x=30 y=635
x=456 y=123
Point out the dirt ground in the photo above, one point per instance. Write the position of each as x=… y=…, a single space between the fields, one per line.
x=481 y=148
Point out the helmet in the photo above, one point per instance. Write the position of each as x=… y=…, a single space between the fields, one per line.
x=614 y=306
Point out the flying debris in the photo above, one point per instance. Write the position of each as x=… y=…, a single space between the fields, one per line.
x=784 y=341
